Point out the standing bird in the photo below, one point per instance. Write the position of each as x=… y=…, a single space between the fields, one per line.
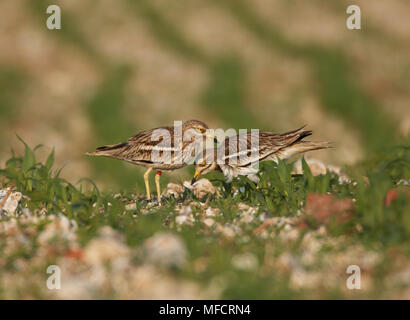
x=240 y=154
x=163 y=148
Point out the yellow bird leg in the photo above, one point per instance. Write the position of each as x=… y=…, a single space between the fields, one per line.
x=157 y=177
x=146 y=179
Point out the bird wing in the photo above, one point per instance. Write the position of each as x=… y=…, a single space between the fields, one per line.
x=148 y=146
x=160 y=145
x=153 y=145
x=244 y=150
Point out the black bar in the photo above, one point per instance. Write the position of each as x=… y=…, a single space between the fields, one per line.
x=206 y=309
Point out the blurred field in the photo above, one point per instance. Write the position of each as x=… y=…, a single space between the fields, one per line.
x=118 y=67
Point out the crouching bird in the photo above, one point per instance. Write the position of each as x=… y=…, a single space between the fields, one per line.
x=240 y=154
x=162 y=148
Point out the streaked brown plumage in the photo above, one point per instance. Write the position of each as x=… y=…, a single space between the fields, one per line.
x=240 y=148
x=171 y=154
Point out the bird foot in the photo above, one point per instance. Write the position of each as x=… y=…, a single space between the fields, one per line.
x=154 y=200
x=163 y=198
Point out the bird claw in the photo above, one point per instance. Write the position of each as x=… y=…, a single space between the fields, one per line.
x=154 y=200
x=163 y=198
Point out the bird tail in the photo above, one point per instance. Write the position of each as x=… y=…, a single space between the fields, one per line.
x=301 y=147
x=108 y=150
x=291 y=137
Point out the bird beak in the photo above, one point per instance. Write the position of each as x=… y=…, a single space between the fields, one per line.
x=197 y=173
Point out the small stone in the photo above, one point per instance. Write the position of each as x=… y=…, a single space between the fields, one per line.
x=301 y=278
x=247 y=218
x=209 y=222
x=289 y=234
x=325 y=207
x=247 y=213
x=203 y=187
x=173 y=189
x=403 y=182
x=108 y=246
x=186 y=210
x=317 y=167
x=165 y=249
x=181 y=219
x=246 y=261
x=211 y=212
x=131 y=206
x=226 y=231
x=12 y=201
x=188 y=185
x=60 y=227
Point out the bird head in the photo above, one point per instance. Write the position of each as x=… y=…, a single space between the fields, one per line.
x=203 y=165
x=198 y=127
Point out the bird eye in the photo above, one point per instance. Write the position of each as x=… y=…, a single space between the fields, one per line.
x=201 y=130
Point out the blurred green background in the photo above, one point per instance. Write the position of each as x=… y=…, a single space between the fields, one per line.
x=117 y=67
